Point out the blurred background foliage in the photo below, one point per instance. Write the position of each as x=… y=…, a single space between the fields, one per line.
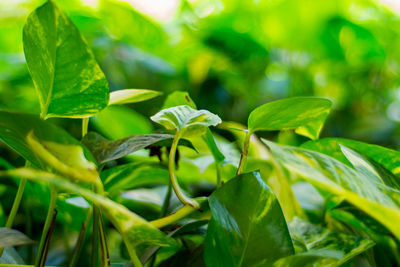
x=232 y=56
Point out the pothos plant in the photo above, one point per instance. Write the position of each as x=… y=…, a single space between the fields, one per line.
x=326 y=202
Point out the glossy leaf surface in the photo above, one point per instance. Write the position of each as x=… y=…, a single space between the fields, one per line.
x=304 y=114
x=68 y=80
x=247 y=227
x=185 y=120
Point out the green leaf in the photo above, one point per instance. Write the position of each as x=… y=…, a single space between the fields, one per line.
x=247 y=227
x=304 y=114
x=388 y=158
x=309 y=237
x=133 y=175
x=105 y=150
x=44 y=144
x=178 y=98
x=212 y=144
x=116 y=122
x=134 y=228
x=379 y=201
x=11 y=256
x=127 y=96
x=185 y=120
x=67 y=78
x=10 y=238
x=308 y=259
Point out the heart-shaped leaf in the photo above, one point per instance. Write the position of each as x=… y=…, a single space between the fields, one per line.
x=377 y=200
x=304 y=114
x=45 y=145
x=67 y=78
x=247 y=227
x=127 y=96
x=10 y=238
x=185 y=120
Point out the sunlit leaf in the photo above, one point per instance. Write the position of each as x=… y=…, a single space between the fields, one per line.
x=185 y=120
x=68 y=80
x=304 y=114
x=246 y=219
x=131 y=96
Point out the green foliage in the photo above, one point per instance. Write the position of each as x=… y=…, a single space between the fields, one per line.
x=170 y=196
x=68 y=80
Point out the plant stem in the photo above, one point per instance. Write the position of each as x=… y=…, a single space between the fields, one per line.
x=81 y=239
x=132 y=253
x=218 y=170
x=244 y=153
x=165 y=206
x=40 y=257
x=177 y=215
x=85 y=125
x=174 y=182
x=95 y=237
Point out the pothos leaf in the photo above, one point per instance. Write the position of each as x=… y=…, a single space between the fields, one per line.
x=185 y=120
x=377 y=200
x=246 y=219
x=304 y=114
x=67 y=78
x=127 y=96
x=11 y=237
x=178 y=98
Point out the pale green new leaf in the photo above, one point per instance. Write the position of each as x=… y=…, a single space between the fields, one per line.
x=178 y=98
x=377 y=200
x=127 y=96
x=185 y=120
x=67 y=78
x=304 y=114
x=134 y=228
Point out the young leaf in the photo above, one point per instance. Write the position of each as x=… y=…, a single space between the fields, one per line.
x=132 y=227
x=178 y=98
x=10 y=238
x=247 y=227
x=44 y=144
x=378 y=201
x=304 y=114
x=127 y=96
x=67 y=78
x=185 y=120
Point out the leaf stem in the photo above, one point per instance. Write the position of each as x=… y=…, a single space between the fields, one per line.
x=244 y=153
x=85 y=125
x=167 y=199
x=81 y=239
x=40 y=257
x=174 y=182
x=132 y=252
x=177 y=215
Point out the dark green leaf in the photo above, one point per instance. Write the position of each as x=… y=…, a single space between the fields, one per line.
x=185 y=120
x=68 y=80
x=304 y=114
x=105 y=150
x=11 y=238
x=247 y=226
